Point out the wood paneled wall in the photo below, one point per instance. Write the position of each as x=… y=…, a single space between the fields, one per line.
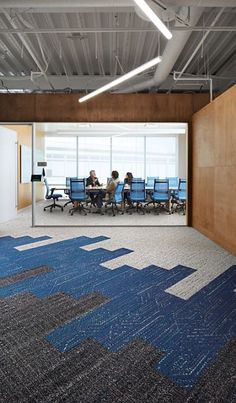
x=214 y=170
x=104 y=108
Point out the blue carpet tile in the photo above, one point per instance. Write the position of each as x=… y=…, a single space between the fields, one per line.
x=128 y=305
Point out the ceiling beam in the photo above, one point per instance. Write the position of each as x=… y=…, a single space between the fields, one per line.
x=70 y=30
x=29 y=48
x=86 y=83
x=91 y=4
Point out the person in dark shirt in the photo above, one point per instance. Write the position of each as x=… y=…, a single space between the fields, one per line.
x=92 y=181
x=127 y=181
x=128 y=178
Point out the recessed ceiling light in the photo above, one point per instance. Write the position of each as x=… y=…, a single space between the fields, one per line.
x=11 y=74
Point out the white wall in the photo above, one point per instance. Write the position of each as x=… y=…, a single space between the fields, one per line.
x=182 y=156
x=8 y=172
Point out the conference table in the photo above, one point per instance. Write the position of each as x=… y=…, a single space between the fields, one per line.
x=95 y=190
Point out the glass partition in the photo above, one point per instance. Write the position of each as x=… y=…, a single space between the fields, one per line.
x=128 y=155
x=60 y=154
x=162 y=156
x=74 y=153
x=94 y=153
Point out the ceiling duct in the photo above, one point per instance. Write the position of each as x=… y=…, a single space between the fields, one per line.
x=169 y=57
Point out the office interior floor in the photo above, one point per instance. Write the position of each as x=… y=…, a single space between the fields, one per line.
x=58 y=217
x=115 y=315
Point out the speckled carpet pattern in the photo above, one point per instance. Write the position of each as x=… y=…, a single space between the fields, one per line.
x=75 y=330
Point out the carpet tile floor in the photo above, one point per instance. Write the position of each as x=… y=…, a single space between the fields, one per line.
x=73 y=330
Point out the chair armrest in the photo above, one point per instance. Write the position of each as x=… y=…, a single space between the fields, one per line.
x=52 y=191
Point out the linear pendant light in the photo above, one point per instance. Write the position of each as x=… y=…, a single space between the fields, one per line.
x=121 y=79
x=154 y=18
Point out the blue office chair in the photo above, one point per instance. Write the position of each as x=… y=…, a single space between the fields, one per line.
x=117 y=198
x=150 y=181
x=180 y=199
x=78 y=194
x=137 y=196
x=136 y=179
x=50 y=195
x=173 y=182
x=161 y=195
x=67 y=191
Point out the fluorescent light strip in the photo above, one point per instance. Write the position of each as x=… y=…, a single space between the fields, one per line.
x=120 y=80
x=154 y=18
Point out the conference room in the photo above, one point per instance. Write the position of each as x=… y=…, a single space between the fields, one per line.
x=64 y=154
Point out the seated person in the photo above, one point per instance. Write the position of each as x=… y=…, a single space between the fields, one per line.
x=92 y=181
x=128 y=178
x=127 y=181
x=110 y=190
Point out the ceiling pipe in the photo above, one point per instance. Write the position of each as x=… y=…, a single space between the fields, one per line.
x=28 y=47
x=200 y=44
x=69 y=30
x=169 y=57
x=91 y=4
x=200 y=3
x=68 y=4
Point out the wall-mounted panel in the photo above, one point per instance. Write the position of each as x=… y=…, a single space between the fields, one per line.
x=8 y=169
x=214 y=170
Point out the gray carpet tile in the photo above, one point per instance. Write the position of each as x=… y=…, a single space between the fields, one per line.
x=4 y=281
x=218 y=384
x=32 y=370
x=25 y=355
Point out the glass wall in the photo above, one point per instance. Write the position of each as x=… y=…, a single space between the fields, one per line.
x=128 y=155
x=94 y=153
x=61 y=158
x=162 y=156
x=143 y=156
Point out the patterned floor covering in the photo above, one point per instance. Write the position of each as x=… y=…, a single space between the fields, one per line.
x=73 y=330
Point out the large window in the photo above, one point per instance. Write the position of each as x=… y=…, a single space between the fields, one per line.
x=61 y=158
x=128 y=155
x=143 y=156
x=162 y=156
x=94 y=153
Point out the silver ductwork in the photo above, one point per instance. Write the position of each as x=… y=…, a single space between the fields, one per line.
x=169 y=57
